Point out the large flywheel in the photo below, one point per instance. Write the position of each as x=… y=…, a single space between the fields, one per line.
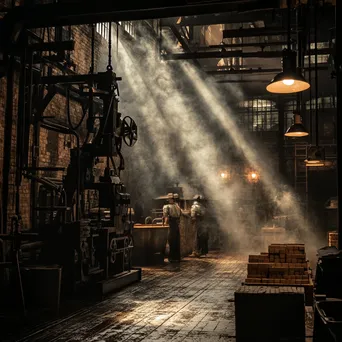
x=129 y=131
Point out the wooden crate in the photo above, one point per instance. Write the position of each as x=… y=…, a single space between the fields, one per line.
x=267 y=313
x=308 y=288
x=333 y=239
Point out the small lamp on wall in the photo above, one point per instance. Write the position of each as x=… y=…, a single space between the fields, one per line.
x=253 y=177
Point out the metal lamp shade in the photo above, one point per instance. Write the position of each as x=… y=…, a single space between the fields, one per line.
x=296 y=131
x=315 y=156
x=287 y=83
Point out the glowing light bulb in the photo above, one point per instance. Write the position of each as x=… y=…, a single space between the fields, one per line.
x=223 y=175
x=288 y=82
x=253 y=175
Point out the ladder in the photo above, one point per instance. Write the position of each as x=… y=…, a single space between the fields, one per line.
x=301 y=171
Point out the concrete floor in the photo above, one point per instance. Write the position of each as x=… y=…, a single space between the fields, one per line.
x=194 y=302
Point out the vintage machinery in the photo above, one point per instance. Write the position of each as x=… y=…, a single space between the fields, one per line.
x=80 y=222
x=91 y=219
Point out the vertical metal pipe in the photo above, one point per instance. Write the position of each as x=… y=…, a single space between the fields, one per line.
x=310 y=78
x=299 y=56
x=35 y=155
x=316 y=73
x=20 y=130
x=7 y=141
x=289 y=25
x=338 y=16
x=281 y=124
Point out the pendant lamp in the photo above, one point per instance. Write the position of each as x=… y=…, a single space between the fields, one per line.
x=290 y=80
x=297 y=130
x=315 y=154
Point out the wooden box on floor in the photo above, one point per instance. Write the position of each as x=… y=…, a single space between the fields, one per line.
x=333 y=239
x=269 y=314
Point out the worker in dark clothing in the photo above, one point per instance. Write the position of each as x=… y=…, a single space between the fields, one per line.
x=201 y=237
x=171 y=215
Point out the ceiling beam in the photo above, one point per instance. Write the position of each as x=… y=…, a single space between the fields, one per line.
x=254 y=32
x=242 y=45
x=183 y=42
x=242 y=71
x=242 y=81
x=226 y=71
x=227 y=54
x=221 y=54
x=265 y=12
x=79 y=12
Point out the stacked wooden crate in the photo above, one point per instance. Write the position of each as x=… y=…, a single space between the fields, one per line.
x=269 y=314
x=333 y=239
x=284 y=264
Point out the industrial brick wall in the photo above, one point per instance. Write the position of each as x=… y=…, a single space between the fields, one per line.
x=54 y=147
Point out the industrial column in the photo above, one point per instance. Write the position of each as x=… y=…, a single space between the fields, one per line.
x=338 y=14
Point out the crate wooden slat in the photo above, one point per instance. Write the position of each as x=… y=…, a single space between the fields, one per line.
x=308 y=288
x=282 y=265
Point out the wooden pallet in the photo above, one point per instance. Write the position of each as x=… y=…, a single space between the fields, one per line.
x=308 y=289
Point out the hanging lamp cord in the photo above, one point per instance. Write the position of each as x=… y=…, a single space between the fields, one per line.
x=316 y=72
x=117 y=43
x=310 y=76
x=109 y=66
x=289 y=25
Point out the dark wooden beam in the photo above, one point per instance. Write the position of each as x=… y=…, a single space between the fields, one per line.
x=265 y=12
x=222 y=54
x=87 y=12
x=254 y=32
x=242 y=71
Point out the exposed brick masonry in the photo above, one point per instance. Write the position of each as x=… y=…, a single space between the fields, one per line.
x=54 y=148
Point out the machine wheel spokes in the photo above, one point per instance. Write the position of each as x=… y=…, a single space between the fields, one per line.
x=129 y=131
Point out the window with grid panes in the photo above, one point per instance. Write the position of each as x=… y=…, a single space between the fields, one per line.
x=103 y=30
x=258 y=115
x=326 y=102
x=128 y=26
x=321 y=58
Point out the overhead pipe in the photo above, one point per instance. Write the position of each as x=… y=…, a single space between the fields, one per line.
x=226 y=54
x=225 y=69
x=243 y=45
x=221 y=54
x=241 y=71
x=242 y=81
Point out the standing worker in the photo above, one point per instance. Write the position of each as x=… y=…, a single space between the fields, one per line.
x=200 y=246
x=171 y=215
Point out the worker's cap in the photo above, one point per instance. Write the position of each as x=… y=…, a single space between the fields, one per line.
x=170 y=195
x=175 y=196
x=198 y=197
